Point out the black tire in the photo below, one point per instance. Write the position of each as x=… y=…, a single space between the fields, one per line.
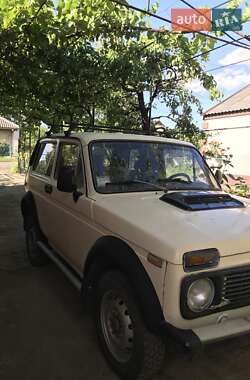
x=35 y=255
x=142 y=353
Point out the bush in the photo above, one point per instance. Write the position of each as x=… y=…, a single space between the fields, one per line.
x=241 y=189
x=14 y=168
x=4 y=149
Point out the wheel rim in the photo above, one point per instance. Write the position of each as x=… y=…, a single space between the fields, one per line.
x=117 y=326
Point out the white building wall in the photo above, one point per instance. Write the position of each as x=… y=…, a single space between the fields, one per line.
x=237 y=139
x=15 y=139
x=5 y=136
x=11 y=138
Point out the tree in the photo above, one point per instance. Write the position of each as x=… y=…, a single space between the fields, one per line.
x=89 y=61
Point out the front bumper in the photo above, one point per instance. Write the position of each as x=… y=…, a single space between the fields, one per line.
x=195 y=339
x=185 y=338
x=225 y=328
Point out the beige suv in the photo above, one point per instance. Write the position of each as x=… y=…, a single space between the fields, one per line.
x=141 y=227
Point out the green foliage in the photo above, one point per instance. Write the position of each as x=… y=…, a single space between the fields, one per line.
x=4 y=149
x=14 y=169
x=83 y=61
x=93 y=61
x=7 y=159
x=186 y=130
x=219 y=157
x=29 y=134
x=241 y=189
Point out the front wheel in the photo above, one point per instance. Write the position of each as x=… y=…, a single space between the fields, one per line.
x=132 y=351
x=35 y=255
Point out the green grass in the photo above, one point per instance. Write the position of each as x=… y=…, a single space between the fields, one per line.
x=7 y=159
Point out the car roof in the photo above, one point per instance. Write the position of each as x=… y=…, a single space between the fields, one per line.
x=88 y=137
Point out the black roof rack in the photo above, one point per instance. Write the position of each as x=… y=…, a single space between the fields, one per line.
x=92 y=128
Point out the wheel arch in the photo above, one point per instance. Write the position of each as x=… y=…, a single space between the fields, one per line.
x=29 y=212
x=109 y=253
x=28 y=209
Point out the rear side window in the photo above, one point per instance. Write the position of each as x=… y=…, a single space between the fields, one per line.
x=45 y=159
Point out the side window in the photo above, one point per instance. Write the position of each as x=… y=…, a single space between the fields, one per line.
x=44 y=161
x=70 y=157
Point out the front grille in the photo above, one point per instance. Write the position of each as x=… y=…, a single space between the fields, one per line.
x=236 y=287
x=232 y=290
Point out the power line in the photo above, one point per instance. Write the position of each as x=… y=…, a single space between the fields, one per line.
x=128 y=6
x=211 y=50
x=197 y=55
x=243 y=35
x=230 y=64
x=217 y=6
x=198 y=11
x=236 y=32
x=224 y=66
x=148 y=13
x=224 y=3
x=170 y=5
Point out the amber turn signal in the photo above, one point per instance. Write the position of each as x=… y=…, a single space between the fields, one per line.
x=155 y=260
x=202 y=259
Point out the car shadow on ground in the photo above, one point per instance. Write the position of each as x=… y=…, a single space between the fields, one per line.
x=46 y=332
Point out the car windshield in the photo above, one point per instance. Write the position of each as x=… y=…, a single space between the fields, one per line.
x=131 y=166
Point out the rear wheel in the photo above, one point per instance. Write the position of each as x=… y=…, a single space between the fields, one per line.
x=35 y=255
x=132 y=351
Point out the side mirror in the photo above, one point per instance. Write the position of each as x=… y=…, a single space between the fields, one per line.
x=219 y=176
x=65 y=181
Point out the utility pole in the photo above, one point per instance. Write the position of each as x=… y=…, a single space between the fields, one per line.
x=148 y=5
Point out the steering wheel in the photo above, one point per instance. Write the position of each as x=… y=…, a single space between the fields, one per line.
x=176 y=175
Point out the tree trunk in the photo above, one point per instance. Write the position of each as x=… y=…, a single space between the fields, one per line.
x=93 y=116
x=30 y=144
x=19 y=160
x=144 y=113
x=24 y=151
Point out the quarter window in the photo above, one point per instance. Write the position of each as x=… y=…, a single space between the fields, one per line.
x=45 y=159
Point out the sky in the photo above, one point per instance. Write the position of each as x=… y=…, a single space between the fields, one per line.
x=229 y=80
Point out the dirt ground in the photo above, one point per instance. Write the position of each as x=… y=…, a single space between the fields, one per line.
x=6 y=166
x=46 y=333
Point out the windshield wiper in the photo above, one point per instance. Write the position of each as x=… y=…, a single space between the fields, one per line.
x=194 y=186
x=174 y=180
x=134 y=181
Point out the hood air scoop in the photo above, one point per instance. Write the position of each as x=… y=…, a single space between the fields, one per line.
x=196 y=201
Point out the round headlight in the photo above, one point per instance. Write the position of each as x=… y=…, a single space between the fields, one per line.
x=200 y=295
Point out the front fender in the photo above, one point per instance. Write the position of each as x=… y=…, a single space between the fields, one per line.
x=110 y=252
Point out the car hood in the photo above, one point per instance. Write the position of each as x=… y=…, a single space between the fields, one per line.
x=168 y=231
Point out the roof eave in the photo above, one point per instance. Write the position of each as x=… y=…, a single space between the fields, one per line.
x=227 y=113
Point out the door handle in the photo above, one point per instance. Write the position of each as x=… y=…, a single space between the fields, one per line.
x=48 y=188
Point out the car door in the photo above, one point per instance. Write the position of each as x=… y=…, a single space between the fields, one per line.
x=74 y=233
x=40 y=182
